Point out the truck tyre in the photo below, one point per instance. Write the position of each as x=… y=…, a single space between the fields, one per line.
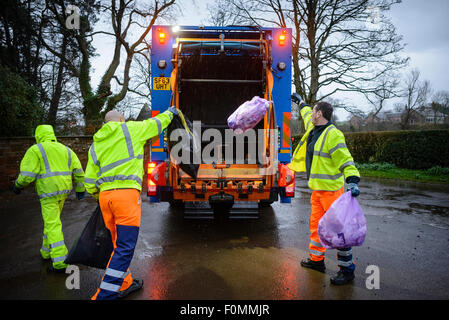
x=265 y=203
x=177 y=204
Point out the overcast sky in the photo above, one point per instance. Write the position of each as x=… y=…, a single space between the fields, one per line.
x=423 y=24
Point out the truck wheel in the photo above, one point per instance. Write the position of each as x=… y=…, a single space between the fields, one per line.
x=178 y=204
x=265 y=203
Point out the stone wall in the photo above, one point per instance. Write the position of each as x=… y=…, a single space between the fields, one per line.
x=13 y=149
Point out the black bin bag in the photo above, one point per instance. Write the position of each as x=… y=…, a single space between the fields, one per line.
x=183 y=144
x=94 y=246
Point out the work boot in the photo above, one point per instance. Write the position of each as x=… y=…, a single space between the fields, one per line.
x=342 y=278
x=136 y=285
x=315 y=265
x=51 y=269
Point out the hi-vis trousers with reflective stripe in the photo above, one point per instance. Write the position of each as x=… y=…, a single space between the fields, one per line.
x=121 y=213
x=53 y=245
x=320 y=203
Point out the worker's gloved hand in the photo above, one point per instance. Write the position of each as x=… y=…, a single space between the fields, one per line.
x=354 y=188
x=16 y=190
x=296 y=98
x=80 y=195
x=173 y=110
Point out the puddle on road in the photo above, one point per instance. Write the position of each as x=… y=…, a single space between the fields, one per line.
x=389 y=198
x=433 y=209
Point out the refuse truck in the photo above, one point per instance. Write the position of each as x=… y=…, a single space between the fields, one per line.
x=207 y=72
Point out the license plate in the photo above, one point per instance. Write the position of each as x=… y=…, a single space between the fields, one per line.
x=161 y=83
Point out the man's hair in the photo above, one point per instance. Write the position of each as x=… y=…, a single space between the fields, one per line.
x=326 y=109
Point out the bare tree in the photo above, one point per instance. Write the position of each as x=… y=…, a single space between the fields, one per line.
x=440 y=104
x=124 y=16
x=336 y=45
x=387 y=88
x=416 y=93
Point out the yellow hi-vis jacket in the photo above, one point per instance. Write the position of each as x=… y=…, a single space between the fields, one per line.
x=332 y=162
x=116 y=154
x=51 y=164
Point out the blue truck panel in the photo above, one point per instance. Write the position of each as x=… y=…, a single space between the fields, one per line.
x=160 y=99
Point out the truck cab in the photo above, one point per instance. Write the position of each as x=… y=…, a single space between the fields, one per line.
x=207 y=72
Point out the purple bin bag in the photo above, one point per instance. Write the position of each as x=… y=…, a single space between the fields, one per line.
x=248 y=115
x=343 y=225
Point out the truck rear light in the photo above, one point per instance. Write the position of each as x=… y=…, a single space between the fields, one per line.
x=282 y=37
x=157 y=175
x=150 y=183
x=286 y=176
x=161 y=36
x=290 y=191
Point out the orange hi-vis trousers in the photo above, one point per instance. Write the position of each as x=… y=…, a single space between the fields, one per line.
x=320 y=202
x=121 y=210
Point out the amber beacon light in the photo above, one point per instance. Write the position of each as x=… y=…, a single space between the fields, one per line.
x=282 y=37
x=161 y=36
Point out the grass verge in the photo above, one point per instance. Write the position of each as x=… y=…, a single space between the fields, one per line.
x=390 y=171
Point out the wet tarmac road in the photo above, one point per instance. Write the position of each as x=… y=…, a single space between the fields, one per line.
x=407 y=238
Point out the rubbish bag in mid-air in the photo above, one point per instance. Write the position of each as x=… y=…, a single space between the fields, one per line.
x=343 y=225
x=94 y=246
x=248 y=115
x=183 y=144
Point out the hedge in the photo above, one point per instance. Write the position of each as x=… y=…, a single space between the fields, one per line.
x=405 y=149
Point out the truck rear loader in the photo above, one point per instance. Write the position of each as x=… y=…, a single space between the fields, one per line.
x=207 y=72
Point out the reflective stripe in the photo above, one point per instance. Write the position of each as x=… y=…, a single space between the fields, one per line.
x=79 y=185
x=298 y=147
x=58 y=259
x=56 y=193
x=76 y=171
x=109 y=287
x=117 y=177
x=317 y=253
x=44 y=157
x=322 y=154
x=129 y=142
x=316 y=244
x=307 y=124
x=18 y=184
x=57 y=244
x=116 y=273
x=88 y=180
x=159 y=126
x=70 y=157
x=54 y=174
x=45 y=249
x=344 y=253
x=325 y=136
x=326 y=176
x=94 y=155
x=118 y=163
x=28 y=174
x=307 y=113
x=44 y=236
x=338 y=146
x=347 y=164
x=344 y=263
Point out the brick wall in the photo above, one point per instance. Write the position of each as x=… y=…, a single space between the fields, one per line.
x=13 y=149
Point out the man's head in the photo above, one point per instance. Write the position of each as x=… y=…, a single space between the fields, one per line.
x=114 y=116
x=322 y=113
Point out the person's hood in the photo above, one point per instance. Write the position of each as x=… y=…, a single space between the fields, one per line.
x=107 y=130
x=44 y=132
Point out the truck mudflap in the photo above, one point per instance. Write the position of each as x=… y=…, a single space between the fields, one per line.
x=221 y=202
